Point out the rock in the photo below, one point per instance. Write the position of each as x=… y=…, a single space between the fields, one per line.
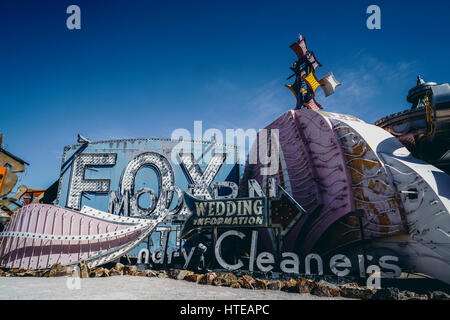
x=351 y=284
x=290 y=286
x=200 y=278
x=225 y=279
x=247 y=282
x=130 y=270
x=275 y=285
x=305 y=285
x=230 y=277
x=353 y=291
x=261 y=284
x=219 y=282
x=119 y=266
x=325 y=290
x=58 y=270
x=439 y=295
x=99 y=272
x=114 y=272
x=17 y=272
x=33 y=273
x=207 y=278
x=173 y=273
x=146 y=273
x=183 y=274
x=386 y=294
x=211 y=276
x=408 y=295
x=151 y=273
x=84 y=269
x=193 y=278
x=117 y=270
x=44 y=273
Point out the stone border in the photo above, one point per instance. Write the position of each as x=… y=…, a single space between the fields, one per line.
x=227 y=279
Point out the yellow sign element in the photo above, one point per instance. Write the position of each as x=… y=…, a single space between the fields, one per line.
x=312 y=81
x=293 y=89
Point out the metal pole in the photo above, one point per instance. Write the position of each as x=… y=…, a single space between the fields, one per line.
x=278 y=241
x=360 y=213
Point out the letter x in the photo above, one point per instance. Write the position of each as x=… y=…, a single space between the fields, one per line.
x=200 y=181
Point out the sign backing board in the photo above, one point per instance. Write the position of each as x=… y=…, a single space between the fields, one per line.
x=144 y=176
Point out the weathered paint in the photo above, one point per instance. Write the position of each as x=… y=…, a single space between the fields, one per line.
x=312 y=170
x=41 y=235
x=131 y=167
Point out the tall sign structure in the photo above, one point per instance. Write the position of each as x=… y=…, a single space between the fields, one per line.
x=306 y=83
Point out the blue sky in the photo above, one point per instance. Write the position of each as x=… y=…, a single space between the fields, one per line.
x=145 y=68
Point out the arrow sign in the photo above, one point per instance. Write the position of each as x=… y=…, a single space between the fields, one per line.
x=285 y=211
x=225 y=213
x=260 y=212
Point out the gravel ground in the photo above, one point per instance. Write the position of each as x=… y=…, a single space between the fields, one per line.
x=127 y=287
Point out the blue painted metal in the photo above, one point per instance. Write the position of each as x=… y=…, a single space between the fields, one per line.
x=147 y=177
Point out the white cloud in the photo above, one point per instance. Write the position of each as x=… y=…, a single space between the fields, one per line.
x=369 y=88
